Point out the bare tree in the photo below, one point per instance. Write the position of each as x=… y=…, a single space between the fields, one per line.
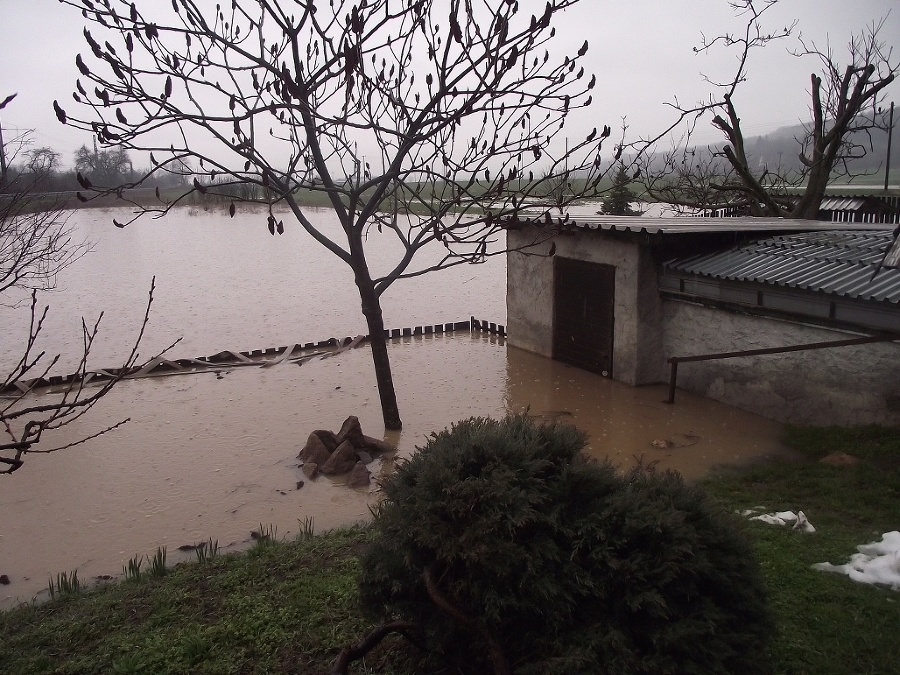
x=426 y=121
x=35 y=244
x=843 y=105
x=103 y=167
x=42 y=161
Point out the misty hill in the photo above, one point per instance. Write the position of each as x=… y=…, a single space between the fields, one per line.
x=780 y=148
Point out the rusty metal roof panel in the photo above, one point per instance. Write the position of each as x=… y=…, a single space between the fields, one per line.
x=841 y=262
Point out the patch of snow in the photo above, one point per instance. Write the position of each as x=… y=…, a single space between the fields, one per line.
x=803 y=523
x=876 y=563
x=798 y=520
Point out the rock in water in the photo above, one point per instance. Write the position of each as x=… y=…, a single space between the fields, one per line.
x=315 y=450
x=376 y=446
x=328 y=438
x=359 y=477
x=351 y=431
x=342 y=460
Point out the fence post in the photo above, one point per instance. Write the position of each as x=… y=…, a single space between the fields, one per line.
x=673 y=376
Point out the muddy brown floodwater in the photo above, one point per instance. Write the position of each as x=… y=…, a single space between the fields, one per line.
x=209 y=456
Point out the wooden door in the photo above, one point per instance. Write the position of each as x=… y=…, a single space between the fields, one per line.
x=583 y=314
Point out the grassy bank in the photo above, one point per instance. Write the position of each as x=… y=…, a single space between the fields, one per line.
x=826 y=623
x=290 y=607
x=278 y=608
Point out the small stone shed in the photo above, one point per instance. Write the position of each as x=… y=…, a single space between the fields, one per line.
x=621 y=295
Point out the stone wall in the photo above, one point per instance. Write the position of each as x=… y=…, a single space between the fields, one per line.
x=841 y=386
x=529 y=296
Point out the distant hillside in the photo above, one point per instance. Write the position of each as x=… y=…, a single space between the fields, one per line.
x=780 y=148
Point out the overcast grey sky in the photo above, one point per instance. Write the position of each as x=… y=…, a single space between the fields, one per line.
x=641 y=52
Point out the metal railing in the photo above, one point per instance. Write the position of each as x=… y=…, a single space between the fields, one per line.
x=675 y=360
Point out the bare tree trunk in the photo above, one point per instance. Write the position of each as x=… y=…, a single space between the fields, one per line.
x=811 y=199
x=306 y=71
x=358 y=651
x=371 y=308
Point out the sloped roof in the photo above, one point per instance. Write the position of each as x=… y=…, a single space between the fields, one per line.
x=868 y=203
x=838 y=261
x=843 y=204
x=678 y=225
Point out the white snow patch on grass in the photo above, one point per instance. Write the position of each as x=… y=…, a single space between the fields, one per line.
x=798 y=521
x=876 y=563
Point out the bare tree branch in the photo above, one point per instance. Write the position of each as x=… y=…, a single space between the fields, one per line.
x=35 y=245
x=24 y=419
x=428 y=122
x=35 y=242
x=843 y=105
x=355 y=652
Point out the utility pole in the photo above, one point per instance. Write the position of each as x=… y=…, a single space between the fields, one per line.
x=2 y=157
x=887 y=163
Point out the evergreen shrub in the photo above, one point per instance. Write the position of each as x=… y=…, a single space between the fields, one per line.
x=500 y=536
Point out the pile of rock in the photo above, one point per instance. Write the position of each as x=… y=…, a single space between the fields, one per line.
x=346 y=452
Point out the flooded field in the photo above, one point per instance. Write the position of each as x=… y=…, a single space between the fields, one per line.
x=215 y=455
x=215 y=458
x=225 y=283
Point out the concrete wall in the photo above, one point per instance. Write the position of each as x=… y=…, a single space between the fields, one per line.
x=529 y=296
x=842 y=386
x=845 y=385
x=637 y=334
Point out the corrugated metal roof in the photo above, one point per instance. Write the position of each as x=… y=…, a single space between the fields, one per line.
x=838 y=261
x=698 y=225
x=892 y=259
x=842 y=204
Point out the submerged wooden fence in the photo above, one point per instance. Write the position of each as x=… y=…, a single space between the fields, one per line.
x=297 y=353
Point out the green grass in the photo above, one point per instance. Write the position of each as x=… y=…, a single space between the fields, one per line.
x=826 y=622
x=65 y=584
x=292 y=606
x=287 y=607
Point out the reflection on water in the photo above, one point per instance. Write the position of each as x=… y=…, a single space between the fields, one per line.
x=206 y=457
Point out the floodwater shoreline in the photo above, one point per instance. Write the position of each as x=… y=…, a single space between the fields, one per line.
x=214 y=455
x=216 y=458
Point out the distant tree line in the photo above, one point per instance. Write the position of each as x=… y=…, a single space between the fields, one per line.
x=39 y=168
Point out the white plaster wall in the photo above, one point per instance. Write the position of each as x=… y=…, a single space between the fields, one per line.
x=650 y=366
x=529 y=295
x=841 y=386
x=530 y=300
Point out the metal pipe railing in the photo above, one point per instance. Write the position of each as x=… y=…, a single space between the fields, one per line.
x=675 y=360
